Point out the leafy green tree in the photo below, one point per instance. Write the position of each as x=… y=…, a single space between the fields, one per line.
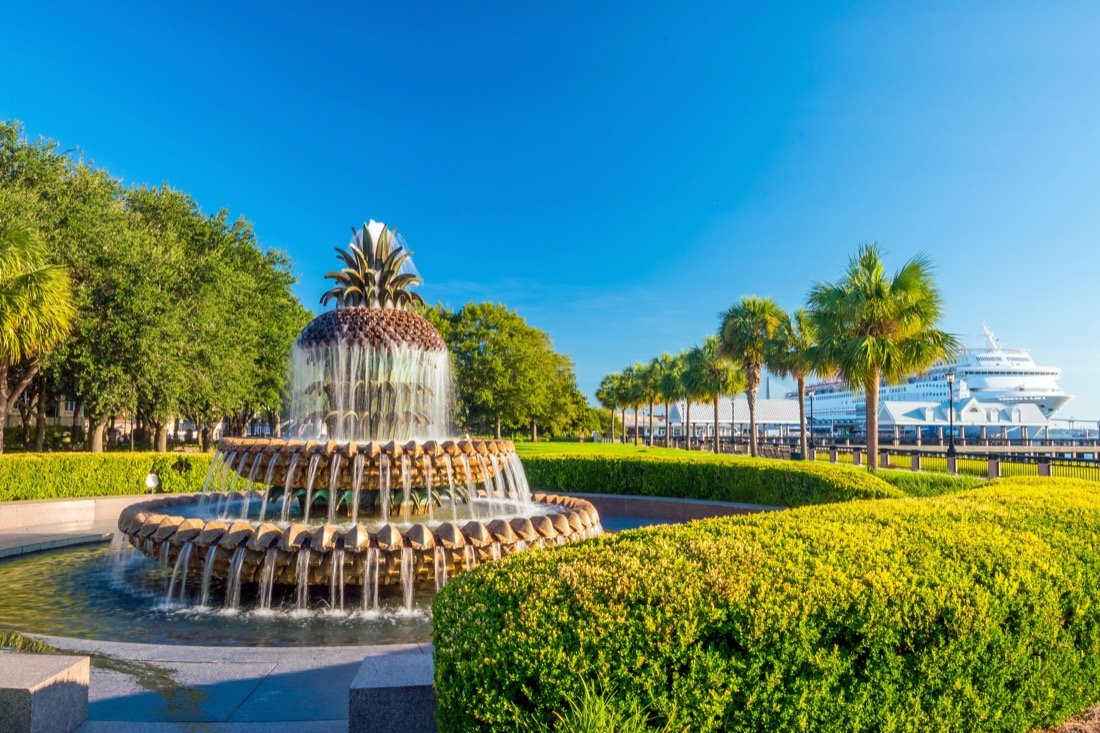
x=710 y=374
x=36 y=308
x=871 y=327
x=507 y=373
x=746 y=336
x=792 y=356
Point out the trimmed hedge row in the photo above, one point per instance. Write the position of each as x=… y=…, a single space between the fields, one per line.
x=978 y=611
x=726 y=478
x=68 y=475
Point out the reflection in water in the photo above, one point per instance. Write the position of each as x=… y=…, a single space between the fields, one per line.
x=82 y=593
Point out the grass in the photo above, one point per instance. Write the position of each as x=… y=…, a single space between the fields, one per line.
x=527 y=448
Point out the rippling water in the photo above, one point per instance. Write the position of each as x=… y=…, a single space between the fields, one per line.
x=82 y=593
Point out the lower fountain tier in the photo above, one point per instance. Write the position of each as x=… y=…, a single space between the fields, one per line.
x=428 y=463
x=448 y=548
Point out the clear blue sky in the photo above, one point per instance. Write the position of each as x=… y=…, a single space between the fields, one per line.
x=618 y=174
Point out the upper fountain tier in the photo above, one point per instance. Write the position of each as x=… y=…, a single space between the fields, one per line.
x=371 y=370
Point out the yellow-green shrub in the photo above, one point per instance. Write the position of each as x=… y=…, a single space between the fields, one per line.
x=978 y=611
x=726 y=478
x=65 y=475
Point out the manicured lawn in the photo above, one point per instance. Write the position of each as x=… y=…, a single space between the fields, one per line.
x=527 y=448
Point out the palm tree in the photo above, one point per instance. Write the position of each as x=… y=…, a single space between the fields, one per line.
x=606 y=394
x=651 y=388
x=634 y=391
x=793 y=357
x=709 y=375
x=871 y=327
x=669 y=386
x=746 y=334
x=688 y=383
x=36 y=309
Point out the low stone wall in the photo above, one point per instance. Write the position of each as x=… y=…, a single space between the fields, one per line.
x=43 y=693
x=22 y=514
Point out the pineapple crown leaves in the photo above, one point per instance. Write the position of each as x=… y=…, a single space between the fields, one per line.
x=376 y=273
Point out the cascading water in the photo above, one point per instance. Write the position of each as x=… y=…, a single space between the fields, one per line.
x=207 y=574
x=179 y=572
x=336 y=580
x=233 y=590
x=267 y=578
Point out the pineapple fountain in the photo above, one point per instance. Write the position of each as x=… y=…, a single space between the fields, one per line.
x=369 y=492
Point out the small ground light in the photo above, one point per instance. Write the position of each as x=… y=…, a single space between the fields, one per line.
x=152 y=481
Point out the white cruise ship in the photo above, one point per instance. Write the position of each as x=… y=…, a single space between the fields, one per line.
x=990 y=375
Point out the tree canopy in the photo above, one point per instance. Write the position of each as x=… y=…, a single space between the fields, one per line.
x=178 y=313
x=507 y=375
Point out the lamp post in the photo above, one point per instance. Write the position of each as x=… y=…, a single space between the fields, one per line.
x=812 y=418
x=951 y=416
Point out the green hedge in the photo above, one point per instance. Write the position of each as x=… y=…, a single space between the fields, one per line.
x=66 y=475
x=725 y=478
x=978 y=611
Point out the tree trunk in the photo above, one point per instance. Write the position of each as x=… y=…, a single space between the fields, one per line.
x=750 y=397
x=717 y=445
x=25 y=422
x=872 y=423
x=687 y=431
x=40 y=416
x=611 y=433
x=3 y=401
x=624 y=426
x=161 y=436
x=803 y=444
x=650 y=423
x=78 y=425
x=534 y=431
x=9 y=395
x=498 y=428
x=204 y=438
x=635 y=425
x=98 y=429
x=668 y=427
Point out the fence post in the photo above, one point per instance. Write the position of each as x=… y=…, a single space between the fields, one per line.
x=915 y=461
x=1044 y=466
x=832 y=455
x=953 y=464
x=994 y=467
x=884 y=459
x=857 y=457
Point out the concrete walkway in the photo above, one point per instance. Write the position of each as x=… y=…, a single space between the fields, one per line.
x=150 y=687
x=17 y=541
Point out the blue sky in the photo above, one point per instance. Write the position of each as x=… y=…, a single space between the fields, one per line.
x=619 y=174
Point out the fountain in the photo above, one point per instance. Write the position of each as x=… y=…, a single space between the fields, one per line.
x=370 y=491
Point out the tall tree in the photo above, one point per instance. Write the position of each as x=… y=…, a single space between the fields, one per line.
x=746 y=333
x=507 y=372
x=792 y=356
x=606 y=394
x=669 y=385
x=873 y=328
x=709 y=375
x=633 y=392
x=36 y=309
